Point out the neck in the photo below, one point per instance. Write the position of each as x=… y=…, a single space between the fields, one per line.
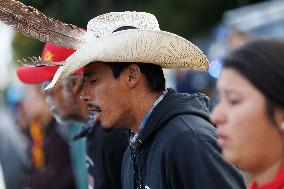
x=268 y=174
x=142 y=106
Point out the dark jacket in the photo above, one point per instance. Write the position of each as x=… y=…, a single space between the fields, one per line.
x=105 y=152
x=178 y=149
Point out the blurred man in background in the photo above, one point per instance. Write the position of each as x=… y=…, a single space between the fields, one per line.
x=51 y=163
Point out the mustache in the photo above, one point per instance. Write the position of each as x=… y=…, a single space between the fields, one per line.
x=93 y=107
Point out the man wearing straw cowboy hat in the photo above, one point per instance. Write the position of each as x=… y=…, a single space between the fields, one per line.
x=172 y=143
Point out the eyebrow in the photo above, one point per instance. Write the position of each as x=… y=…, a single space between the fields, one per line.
x=227 y=91
x=231 y=91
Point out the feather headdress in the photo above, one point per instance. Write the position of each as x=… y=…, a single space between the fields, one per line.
x=34 y=24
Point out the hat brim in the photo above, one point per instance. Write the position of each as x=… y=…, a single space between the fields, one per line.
x=36 y=75
x=145 y=46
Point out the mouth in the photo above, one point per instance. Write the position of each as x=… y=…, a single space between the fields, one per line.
x=221 y=142
x=222 y=139
x=94 y=109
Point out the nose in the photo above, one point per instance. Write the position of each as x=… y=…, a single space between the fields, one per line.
x=218 y=116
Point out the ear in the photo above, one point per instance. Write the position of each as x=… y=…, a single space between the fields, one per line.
x=134 y=75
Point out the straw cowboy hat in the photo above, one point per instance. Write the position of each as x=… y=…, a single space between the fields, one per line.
x=144 y=43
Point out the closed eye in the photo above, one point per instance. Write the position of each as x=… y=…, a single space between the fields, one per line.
x=233 y=101
x=93 y=81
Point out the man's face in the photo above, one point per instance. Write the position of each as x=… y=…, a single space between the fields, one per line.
x=107 y=96
x=61 y=102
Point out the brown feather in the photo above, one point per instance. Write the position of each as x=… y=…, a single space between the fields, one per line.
x=37 y=61
x=32 y=23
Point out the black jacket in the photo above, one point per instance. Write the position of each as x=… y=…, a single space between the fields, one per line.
x=178 y=149
x=105 y=152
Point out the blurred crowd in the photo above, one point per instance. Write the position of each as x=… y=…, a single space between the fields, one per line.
x=35 y=151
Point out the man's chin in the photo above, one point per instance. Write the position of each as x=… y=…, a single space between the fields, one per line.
x=106 y=127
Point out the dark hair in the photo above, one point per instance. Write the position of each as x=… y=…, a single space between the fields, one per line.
x=262 y=63
x=153 y=73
